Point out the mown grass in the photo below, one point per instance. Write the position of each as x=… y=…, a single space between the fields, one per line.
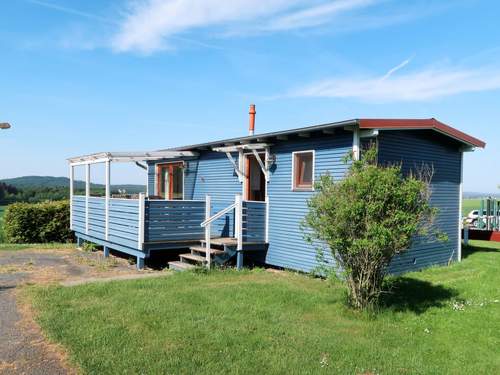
x=470 y=204
x=442 y=320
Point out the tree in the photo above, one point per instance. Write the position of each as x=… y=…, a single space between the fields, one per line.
x=368 y=217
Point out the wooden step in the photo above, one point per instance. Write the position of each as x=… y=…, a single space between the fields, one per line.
x=193 y=257
x=180 y=266
x=202 y=249
x=228 y=241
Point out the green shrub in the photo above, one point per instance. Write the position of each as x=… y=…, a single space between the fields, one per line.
x=367 y=218
x=37 y=222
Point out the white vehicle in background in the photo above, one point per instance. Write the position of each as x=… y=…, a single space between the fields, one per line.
x=473 y=216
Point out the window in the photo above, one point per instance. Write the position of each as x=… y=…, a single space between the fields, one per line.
x=303 y=170
x=170 y=181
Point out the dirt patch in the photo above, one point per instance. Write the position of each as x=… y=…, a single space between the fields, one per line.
x=23 y=347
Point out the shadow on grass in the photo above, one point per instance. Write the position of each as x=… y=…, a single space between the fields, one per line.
x=469 y=250
x=407 y=294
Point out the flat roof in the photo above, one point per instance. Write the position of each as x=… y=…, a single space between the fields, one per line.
x=387 y=124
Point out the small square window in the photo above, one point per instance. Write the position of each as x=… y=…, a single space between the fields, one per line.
x=303 y=170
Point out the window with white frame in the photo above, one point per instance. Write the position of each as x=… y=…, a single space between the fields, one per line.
x=302 y=170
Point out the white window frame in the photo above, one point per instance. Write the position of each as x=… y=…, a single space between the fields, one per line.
x=183 y=177
x=294 y=188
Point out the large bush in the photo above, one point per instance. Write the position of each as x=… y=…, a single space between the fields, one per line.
x=37 y=222
x=367 y=218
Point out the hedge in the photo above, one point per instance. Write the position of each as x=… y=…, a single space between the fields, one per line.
x=37 y=222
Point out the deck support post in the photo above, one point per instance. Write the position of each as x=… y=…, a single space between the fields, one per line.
x=78 y=242
x=87 y=195
x=106 y=251
x=140 y=263
x=239 y=260
x=208 y=235
x=108 y=194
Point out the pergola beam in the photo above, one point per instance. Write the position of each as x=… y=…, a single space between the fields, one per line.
x=127 y=157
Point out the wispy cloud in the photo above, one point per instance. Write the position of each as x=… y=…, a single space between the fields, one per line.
x=419 y=85
x=316 y=15
x=149 y=25
x=72 y=11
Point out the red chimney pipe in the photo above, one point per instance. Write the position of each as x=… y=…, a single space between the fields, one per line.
x=251 y=125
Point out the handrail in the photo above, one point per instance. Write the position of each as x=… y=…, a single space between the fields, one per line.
x=218 y=215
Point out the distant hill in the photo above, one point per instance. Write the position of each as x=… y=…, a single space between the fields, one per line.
x=27 y=182
x=476 y=195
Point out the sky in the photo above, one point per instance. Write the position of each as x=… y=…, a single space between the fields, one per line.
x=84 y=76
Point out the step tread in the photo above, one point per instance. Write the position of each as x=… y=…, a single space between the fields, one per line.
x=181 y=265
x=222 y=241
x=202 y=249
x=196 y=258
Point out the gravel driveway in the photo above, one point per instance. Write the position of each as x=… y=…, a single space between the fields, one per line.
x=23 y=348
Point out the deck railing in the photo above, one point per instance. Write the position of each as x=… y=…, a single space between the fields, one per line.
x=118 y=223
x=174 y=220
x=135 y=222
x=254 y=221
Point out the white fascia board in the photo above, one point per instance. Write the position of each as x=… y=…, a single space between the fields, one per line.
x=368 y=133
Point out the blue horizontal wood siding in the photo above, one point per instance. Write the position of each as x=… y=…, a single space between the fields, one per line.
x=287 y=246
x=216 y=177
x=413 y=149
x=254 y=221
x=174 y=220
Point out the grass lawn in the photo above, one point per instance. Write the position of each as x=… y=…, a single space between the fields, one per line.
x=470 y=204
x=442 y=320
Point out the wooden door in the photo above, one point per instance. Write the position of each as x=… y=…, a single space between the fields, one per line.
x=255 y=179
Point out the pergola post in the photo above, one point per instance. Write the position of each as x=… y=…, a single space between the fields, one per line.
x=71 y=189
x=87 y=196
x=107 y=197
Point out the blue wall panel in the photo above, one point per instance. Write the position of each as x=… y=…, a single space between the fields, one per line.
x=287 y=247
x=413 y=149
x=216 y=177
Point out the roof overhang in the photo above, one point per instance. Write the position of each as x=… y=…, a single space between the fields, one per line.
x=243 y=147
x=421 y=124
x=127 y=157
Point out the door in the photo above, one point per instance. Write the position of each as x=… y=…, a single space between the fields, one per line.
x=255 y=179
x=170 y=181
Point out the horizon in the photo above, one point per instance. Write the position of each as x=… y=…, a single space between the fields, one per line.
x=88 y=76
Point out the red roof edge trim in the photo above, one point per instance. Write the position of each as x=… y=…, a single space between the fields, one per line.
x=412 y=124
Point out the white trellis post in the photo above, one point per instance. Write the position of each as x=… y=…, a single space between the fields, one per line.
x=141 y=226
x=108 y=195
x=87 y=195
x=71 y=188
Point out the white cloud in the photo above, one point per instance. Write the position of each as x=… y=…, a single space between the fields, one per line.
x=419 y=85
x=148 y=25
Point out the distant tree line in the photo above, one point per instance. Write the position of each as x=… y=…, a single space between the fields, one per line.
x=35 y=194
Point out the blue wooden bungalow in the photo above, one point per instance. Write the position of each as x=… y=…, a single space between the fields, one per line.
x=247 y=196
